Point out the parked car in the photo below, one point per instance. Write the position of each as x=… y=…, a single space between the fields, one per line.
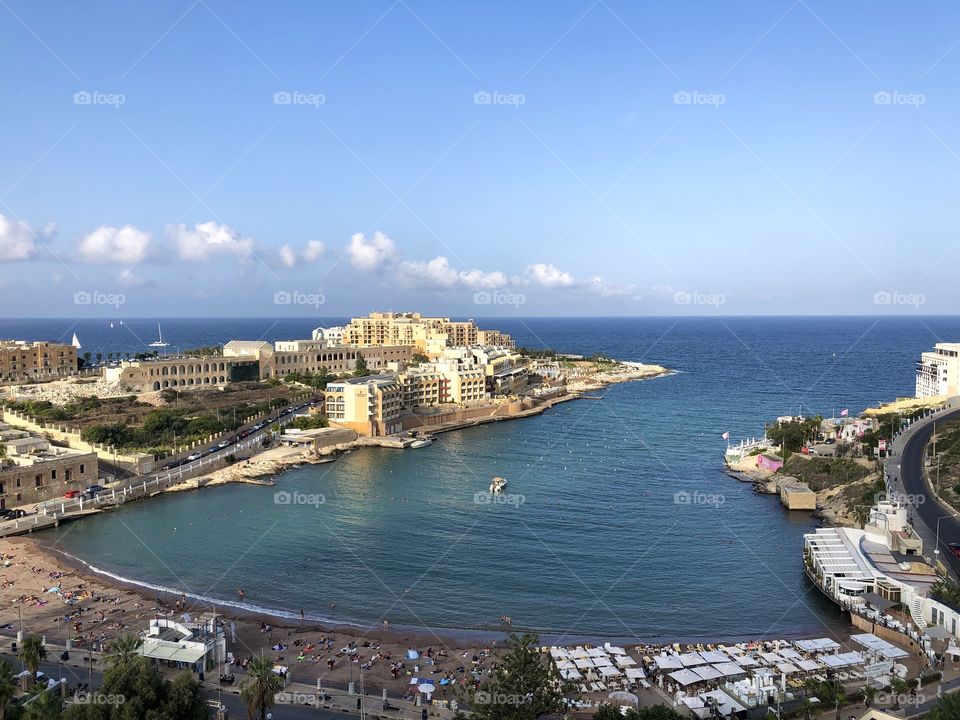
x=72 y=494
x=11 y=513
x=223 y=443
x=193 y=456
x=954 y=549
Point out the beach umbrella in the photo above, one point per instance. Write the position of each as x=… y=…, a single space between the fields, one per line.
x=427 y=688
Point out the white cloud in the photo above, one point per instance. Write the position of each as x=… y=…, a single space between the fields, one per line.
x=128 y=278
x=370 y=254
x=313 y=251
x=549 y=276
x=288 y=258
x=608 y=289
x=209 y=239
x=106 y=244
x=439 y=275
x=18 y=240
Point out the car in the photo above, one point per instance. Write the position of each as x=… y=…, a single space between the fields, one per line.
x=193 y=456
x=954 y=549
x=72 y=494
x=95 y=489
x=223 y=443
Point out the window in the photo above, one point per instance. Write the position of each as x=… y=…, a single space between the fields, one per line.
x=82 y=469
x=53 y=475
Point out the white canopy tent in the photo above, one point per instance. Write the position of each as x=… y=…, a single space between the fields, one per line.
x=667 y=662
x=707 y=672
x=729 y=669
x=715 y=656
x=692 y=659
x=685 y=677
x=818 y=645
x=624 y=661
x=886 y=650
x=634 y=673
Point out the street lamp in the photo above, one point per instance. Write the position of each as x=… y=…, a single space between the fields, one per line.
x=936 y=548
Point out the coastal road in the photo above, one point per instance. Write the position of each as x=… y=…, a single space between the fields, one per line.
x=908 y=456
x=232 y=701
x=160 y=479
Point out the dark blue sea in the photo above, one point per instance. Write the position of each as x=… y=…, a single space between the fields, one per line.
x=598 y=546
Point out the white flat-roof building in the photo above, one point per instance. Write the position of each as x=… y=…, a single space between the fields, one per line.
x=855 y=567
x=938 y=372
x=330 y=336
x=199 y=642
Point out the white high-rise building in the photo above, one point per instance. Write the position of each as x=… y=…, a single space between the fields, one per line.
x=938 y=372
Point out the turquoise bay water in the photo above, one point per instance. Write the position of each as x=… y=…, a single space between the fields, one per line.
x=599 y=546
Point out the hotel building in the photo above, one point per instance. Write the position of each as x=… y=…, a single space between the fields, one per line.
x=428 y=334
x=22 y=361
x=938 y=372
x=369 y=405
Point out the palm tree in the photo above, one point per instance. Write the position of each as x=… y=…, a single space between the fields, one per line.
x=897 y=686
x=43 y=704
x=258 y=689
x=8 y=687
x=122 y=650
x=806 y=708
x=32 y=653
x=869 y=693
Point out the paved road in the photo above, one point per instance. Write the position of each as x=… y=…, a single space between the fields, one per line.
x=232 y=701
x=187 y=470
x=910 y=449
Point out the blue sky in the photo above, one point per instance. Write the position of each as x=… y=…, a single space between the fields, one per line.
x=565 y=158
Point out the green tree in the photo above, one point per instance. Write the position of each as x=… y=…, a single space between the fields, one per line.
x=32 y=653
x=898 y=687
x=43 y=704
x=360 y=369
x=258 y=689
x=947 y=708
x=123 y=650
x=419 y=357
x=524 y=685
x=185 y=699
x=656 y=712
x=136 y=690
x=8 y=687
x=607 y=712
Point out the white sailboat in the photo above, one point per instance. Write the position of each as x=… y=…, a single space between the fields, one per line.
x=76 y=342
x=159 y=343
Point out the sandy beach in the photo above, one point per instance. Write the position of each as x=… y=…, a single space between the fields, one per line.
x=90 y=611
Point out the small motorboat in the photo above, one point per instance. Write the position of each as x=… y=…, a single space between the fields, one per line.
x=497 y=485
x=421 y=442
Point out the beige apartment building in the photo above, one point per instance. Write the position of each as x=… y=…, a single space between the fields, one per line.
x=428 y=334
x=33 y=470
x=22 y=361
x=370 y=405
x=337 y=360
x=938 y=372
